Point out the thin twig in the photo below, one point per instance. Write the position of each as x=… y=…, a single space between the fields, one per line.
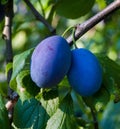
x=87 y=25
x=94 y=119
x=40 y=17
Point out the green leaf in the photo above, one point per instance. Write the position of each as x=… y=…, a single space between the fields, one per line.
x=63 y=118
x=99 y=100
x=111 y=76
x=101 y=4
x=110 y=117
x=63 y=88
x=79 y=105
x=4 y=88
x=4 y=1
x=52 y=97
x=25 y=87
x=49 y=100
x=20 y=62
x=4 y=121
x=73 y=9
x=8 y=67
x=109 y=1
x=110 y=87
x=29 y=114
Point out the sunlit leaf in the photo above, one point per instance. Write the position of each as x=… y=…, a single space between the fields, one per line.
x=101 y=3
x=49 y=100
x=20 y=62
x=63 y=117
x=4 y=88
x=25 y=87
x=8 y=67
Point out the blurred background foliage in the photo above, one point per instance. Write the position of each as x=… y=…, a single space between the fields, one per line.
x=104 y=38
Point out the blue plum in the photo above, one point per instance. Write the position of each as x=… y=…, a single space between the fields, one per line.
x=50 y=61
x=85 y=74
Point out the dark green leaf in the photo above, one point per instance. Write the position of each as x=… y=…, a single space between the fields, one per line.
x=4 y=1
x=109 y=1
x=73 y=9
x=79 y=105
x=110 y=86
x=111 y=76
x=4 y=121
x=111 y=119
x=29 y=114
x=99 y=100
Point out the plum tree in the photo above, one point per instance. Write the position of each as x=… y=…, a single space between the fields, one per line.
x=85 y=74
x=50 y=61
x=2 y=12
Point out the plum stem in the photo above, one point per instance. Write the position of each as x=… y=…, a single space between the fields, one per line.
x=68 y=29
x=87 y=25
x=40 y=17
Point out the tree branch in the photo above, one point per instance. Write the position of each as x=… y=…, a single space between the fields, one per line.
x=40 y=17
x=87 y=25
x=7 y=36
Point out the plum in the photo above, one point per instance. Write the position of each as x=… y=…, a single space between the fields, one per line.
x=50 y=61
x=85 y=74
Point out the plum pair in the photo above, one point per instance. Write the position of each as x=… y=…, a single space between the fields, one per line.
x=52 y=59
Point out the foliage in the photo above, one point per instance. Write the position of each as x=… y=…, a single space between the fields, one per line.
x=4 y=121
x=60 y=107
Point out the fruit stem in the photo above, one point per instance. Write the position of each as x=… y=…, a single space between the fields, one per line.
x=73 y=34
x=69 y=28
